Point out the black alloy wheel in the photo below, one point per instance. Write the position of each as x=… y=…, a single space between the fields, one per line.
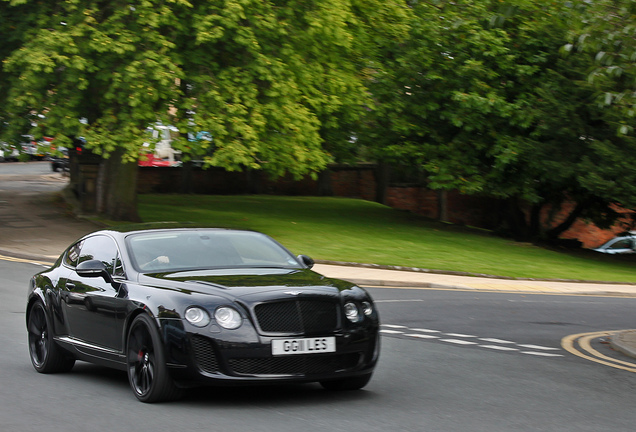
x=147 y=372
x=45 y=355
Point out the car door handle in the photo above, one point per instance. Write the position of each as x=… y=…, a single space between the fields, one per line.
x=70 y=286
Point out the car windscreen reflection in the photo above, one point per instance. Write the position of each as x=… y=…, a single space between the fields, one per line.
x=160 y=252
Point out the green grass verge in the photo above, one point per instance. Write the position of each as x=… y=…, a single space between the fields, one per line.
x=341 y=229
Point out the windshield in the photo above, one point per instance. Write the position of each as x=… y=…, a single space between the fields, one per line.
x=166 y=251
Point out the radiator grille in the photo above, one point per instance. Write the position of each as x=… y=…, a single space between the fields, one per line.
x=298 y=316
x=294 y=365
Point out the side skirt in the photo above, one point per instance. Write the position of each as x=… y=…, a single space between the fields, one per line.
x=93 y=353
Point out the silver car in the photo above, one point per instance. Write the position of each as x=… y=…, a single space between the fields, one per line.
x=625 y=244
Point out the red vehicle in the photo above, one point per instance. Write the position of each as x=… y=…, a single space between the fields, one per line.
x=149 y=160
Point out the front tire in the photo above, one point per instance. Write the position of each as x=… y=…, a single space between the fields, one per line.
x=45 y=355
x=345 y=384
x=147 y=371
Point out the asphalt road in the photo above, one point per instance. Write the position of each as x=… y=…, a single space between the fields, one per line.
x=26 y=168
x=28 y=178
x=454 y=378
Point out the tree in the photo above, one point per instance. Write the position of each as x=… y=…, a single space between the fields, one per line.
x=481 y=101
x=605 y=29
x=268 y=79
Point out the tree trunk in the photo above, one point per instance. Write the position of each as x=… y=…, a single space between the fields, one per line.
x=324 y=183
x=117 y=189
x=517 y=221
x=382 y=179
x=535 y=222
x=567 y=223
x=442 y=205
x=186 y=177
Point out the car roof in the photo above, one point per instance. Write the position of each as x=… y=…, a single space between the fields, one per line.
x=163 y=226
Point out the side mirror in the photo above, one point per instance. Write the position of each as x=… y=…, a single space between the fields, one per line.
x=307 y=261
x=93 y=268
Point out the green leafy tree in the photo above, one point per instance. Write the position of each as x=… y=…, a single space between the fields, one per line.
x=606 y=30
x=269 y=80
x=481 y=101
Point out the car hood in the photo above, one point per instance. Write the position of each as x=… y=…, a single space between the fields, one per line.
x=250 y=282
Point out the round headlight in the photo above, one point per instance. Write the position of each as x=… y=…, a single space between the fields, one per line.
x=228 y=318
x=351 y=312
x=367 y=309
x=197 y=317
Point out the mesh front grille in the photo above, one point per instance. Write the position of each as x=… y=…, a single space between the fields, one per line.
x=294 y=365
x=299 y=316
x=204 y=354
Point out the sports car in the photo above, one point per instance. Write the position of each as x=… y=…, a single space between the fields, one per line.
x=180 y=306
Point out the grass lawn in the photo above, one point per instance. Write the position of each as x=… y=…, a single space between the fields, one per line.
x=341 y=229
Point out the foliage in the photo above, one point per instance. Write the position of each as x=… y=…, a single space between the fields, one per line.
x=265 y=78
x=270 y=80
x=606 y=30
x=480 y=100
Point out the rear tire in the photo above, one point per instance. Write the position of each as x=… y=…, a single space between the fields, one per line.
x=46 y=355
x=347 y=384
x=146 y=363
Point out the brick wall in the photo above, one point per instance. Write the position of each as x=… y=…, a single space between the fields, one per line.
x=589 y=234
x=353 y=182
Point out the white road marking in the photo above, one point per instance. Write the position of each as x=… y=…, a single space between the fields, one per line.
x=459 y=341
x=422 y=336
x=539 y=347
x=497 y=344
x=536 y=353
x=499 y=347
x=499 y=341
x=460 y=335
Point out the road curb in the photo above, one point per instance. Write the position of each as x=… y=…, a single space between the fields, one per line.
x=463 y=274
x=624 y=342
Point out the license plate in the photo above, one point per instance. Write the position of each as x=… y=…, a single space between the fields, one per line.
x=303 y=346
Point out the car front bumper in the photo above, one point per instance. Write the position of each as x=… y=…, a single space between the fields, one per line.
x=197 y=358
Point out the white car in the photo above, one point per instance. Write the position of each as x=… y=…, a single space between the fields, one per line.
x=625 y=244
x=8 y=152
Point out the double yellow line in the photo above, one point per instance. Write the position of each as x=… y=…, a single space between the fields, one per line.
x=585 y=350
x=23 y=260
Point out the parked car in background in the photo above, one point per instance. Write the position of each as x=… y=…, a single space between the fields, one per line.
x=163 y=137
x=36 y=150
x=624 y=244
x=8 y=152
x=149 y=160
x=60 y=160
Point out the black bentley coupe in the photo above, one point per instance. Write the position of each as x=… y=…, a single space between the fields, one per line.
x=178 y=307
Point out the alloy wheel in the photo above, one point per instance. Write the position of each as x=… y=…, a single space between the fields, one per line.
x=141 y=360
x=38 y=336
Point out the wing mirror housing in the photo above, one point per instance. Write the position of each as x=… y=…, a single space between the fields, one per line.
x=94 y=268
x=307 y=261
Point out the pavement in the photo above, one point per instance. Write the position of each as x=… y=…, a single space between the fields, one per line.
x=38 y=223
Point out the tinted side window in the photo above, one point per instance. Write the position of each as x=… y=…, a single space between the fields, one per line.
x=72 y=255
x=100 y=248
x=119 y=267
x=622 y=244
